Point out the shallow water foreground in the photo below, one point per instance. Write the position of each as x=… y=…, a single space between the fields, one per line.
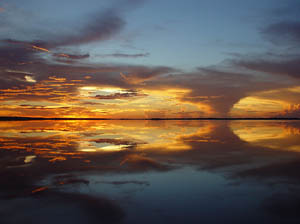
x=149 y=172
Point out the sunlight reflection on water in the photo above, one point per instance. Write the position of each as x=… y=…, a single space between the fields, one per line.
x=149 y=171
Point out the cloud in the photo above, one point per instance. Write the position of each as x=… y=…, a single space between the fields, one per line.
x=142 y=74
x=14 y=54
x=217 y=88
x=69 y=179
x=283 y=33
x=155 y=113
x=71 y=56
x=101 y=27
x=39 y=107
x=29 y=78
x=292 y=111
x=118 y=183
x=284 y=66
x=66 y=84
x=117 y=141
x=91 y=103
x=121 y=95
x=120 y=55
x=18 y=72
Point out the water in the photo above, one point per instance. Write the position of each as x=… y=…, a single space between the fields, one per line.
x=149 y=172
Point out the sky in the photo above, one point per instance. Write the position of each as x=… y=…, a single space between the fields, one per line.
x=150 y=58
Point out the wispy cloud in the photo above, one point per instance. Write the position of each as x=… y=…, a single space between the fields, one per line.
x=121 y=55
x=141 y=74
x=71 y=56
x=284 y=66
x=283 y=33
x=121 y=95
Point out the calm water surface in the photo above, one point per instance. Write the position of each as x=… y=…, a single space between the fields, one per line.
x=149 y=172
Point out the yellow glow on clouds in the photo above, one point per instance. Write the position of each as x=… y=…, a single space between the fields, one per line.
x=256 y=106
x=147 y=103
x=95 y=90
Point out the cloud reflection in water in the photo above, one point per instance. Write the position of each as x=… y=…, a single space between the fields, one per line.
x=144 y=160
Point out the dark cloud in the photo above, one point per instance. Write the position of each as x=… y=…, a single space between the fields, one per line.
x=116 y=141
x=121 y=95
x=90 y=103
x=14 y=61
x=283 y=33
x=284 y=65
x=14 y=54
x=100 y=27
x=35 y=107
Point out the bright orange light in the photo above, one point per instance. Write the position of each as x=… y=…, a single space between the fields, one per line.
x=39 y=190
x=40 y=48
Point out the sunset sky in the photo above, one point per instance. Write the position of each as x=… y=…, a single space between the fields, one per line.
x=150 y=58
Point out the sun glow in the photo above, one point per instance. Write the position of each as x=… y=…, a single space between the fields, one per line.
x=29 y=78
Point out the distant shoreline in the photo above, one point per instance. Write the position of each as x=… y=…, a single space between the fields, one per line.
x=146 y=119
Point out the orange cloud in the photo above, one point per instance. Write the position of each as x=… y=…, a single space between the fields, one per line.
x=40 y=48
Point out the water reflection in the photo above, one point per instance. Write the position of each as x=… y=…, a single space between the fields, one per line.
x=275 y=135
x=149 y=171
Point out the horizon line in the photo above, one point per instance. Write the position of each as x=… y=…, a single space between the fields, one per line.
x=13 y=118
